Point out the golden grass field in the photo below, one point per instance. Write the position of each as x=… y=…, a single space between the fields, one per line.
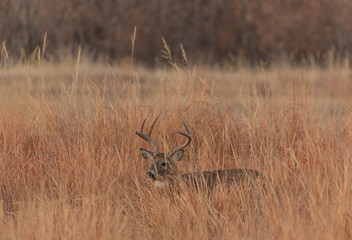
x=70 y=166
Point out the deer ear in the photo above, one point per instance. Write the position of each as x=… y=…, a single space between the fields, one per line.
x=146 y=154
x=178 y=155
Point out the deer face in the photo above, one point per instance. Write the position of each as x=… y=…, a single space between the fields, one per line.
x=163 y=166
x=163 y=170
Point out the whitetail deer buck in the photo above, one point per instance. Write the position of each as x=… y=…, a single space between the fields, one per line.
x=164 y=171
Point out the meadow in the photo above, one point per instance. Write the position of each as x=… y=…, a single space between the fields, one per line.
x=70 y=166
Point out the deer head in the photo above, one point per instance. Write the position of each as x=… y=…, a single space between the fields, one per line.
x=163 y=170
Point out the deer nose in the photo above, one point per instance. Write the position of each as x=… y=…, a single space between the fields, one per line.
x=151 y=175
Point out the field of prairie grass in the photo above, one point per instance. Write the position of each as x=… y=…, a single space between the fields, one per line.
x=70 y=166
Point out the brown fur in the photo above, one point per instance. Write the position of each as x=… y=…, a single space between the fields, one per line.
x=169 y=175
x=164 y=171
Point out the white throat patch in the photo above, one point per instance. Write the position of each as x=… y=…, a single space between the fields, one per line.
x=161 y=185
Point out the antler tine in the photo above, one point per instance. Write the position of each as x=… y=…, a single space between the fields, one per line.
x=142 y=125
x=188 y=134
x=148 y=137
x=151 y=128
x=185 y=123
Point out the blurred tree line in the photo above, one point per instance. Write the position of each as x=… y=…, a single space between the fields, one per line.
x=210 y=30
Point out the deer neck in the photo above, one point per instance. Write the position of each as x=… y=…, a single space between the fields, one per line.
x=171 y=181
x=161 y=184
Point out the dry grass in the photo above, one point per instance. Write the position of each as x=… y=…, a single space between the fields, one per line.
x=70 y=166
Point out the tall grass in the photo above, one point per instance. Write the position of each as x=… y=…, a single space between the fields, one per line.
x=70 y=167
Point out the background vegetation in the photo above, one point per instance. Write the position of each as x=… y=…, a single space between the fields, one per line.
x=210 y=30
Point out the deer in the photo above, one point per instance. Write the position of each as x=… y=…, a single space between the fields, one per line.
x=164 y=173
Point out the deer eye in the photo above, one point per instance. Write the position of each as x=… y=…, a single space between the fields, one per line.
x=163 y=164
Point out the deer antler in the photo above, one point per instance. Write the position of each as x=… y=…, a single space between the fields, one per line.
x=188 y=135
x=147 y=137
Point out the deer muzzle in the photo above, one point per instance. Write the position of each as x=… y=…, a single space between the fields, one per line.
x=151 y=174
